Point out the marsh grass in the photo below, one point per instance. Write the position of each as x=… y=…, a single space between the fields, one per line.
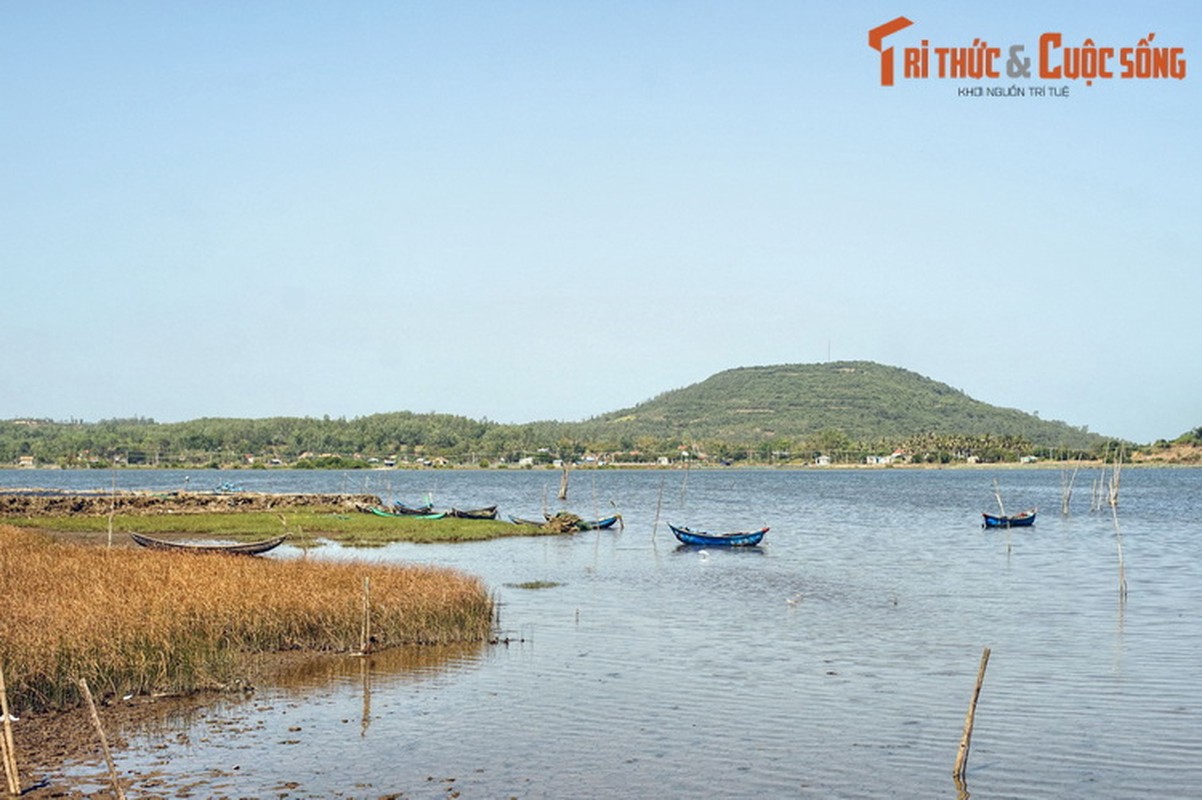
x=143 y=621
x=304 y=526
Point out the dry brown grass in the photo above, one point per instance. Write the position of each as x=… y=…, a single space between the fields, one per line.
x=141 y=621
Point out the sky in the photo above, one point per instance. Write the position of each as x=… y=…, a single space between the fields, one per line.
x=522 y=211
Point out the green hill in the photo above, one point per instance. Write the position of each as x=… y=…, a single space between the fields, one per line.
x=850 y=408
x=863 y=400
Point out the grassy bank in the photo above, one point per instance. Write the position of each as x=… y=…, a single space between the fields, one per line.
x=304 y=526
x=141 y=621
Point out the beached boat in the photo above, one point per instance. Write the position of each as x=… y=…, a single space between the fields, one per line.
x=737 y=539
x=477 y=513
x=412 y=511
x=234 y=548
x=1023 y=520
x=570 y=522
x=598 y=524
x=380 y=512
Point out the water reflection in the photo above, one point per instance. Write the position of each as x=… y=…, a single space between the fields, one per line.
x=387 y=668
x=829 y=662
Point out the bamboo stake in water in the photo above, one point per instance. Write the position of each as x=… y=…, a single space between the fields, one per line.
x=365 y=630
x=659 y=503
x=7 y=745
x=104 y=742
x=1118 y=538
x=966 y=737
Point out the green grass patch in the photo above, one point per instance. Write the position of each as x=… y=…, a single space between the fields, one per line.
x=304 y=526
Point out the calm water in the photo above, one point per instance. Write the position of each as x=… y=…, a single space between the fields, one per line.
x=836 y=661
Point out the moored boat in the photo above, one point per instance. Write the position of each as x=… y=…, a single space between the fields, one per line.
x=736 y=539
x=490 y=512
x=234 y=548
x=1023 y=520
x=599 y=524
x=412 y=511
x=380 y=512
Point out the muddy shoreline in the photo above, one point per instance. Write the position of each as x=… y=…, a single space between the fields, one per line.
x=29 y=503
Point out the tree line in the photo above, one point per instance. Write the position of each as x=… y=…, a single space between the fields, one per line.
x=407 y=438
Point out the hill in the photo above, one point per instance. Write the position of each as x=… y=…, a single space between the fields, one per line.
x=863 y=400
x=847 y=409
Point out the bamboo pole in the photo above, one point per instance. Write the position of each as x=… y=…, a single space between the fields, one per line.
x=659 y=503
x=1118 y=539
x=104 y=742
x=998 y=494
x=966 y=737
x=7 y=745
x=365 y=629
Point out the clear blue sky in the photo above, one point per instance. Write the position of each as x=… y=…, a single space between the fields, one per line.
x=549 y=210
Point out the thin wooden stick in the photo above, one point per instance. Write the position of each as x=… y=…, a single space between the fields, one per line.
x=659 y=503
x=998 y=494
x=966 y=737
x=104 y=742
x=365 y=630
x=7 y=745
x=1118 y=538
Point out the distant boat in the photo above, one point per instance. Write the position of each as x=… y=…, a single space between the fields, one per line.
x=490 y=512
x=574 y=524
x=235 y=548
x=1023 y=520
x=412 y=511
x=738 y=539
x=598 y=524
x=380 y=512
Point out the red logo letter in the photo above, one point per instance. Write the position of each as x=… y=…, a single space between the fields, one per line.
x=876 y=36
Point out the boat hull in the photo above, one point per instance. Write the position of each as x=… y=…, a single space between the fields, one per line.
x=477 y=513
x=236 y=548
x=703 y=539
x=1023 y=520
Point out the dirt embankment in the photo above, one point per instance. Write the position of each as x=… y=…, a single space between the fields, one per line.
x=28 y=504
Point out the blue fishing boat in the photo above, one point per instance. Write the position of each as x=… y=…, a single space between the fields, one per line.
x=738 y=539
x=598 y=524
x=1023 y=520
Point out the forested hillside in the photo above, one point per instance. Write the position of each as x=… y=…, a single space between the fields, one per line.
x=863 y=400
x=791 y=413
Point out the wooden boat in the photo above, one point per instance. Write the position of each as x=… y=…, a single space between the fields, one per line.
x=479 y=513
x=582 y=525
x=737 y=539
x=412 y=511
x=235 y=548
x=1023 y=520
x=599 y=524
x=380 y=512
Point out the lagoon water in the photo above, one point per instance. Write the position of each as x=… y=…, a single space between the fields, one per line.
x=835 y=661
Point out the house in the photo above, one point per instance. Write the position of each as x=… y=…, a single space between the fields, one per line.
x=25 y=461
